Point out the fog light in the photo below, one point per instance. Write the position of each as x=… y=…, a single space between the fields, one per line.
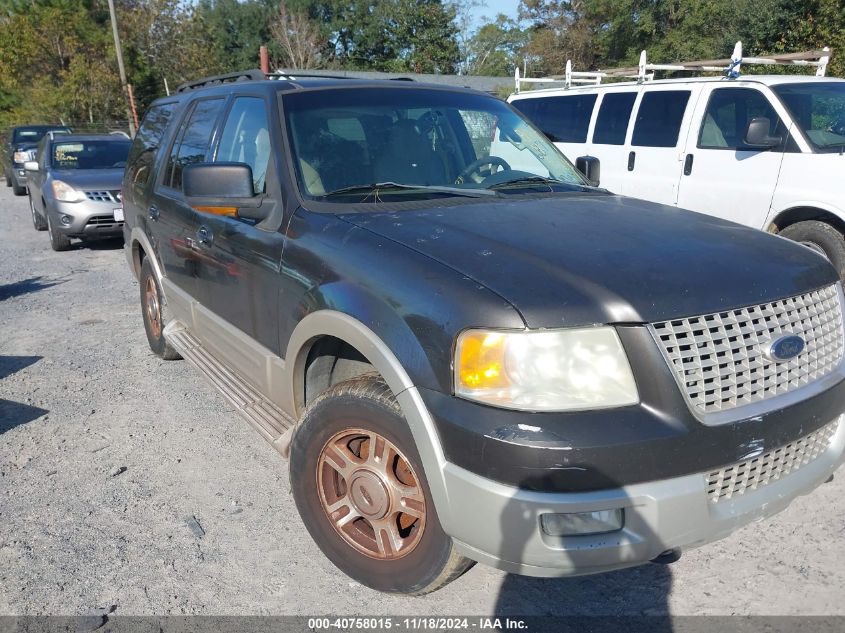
x=66 y=219
x=581 y=523
x=21 y=172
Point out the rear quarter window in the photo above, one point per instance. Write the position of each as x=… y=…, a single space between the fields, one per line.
x=140 y=163
x=563 y=119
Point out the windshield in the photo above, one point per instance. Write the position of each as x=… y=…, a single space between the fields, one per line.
x=819 y=110
x=417 y=144
x=35 y=134
x=105 y=154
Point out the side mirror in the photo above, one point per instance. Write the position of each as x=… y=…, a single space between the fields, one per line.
x=223 y=189
x=590 y=166
x=31 y=165
x=757 y=134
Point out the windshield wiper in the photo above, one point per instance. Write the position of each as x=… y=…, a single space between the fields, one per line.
x=530 y=180
x=394 y=186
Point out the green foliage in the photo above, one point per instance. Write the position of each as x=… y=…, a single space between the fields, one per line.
x=58 y=61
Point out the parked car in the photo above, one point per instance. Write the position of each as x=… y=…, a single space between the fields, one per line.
x=468 y=360
x=74 y=187
x=764 y=151
x=19 y=148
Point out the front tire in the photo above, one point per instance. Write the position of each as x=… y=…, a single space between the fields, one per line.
x=18 y=190
x=37 y=221
x=8 y=178
x=154 y=313
x=822 y=238
x=58 y=241
x=359 y=486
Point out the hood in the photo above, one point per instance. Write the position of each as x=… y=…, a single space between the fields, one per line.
x=90 y=179
x=584 y=259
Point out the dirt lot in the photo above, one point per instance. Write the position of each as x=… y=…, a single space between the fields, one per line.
x=127 y=481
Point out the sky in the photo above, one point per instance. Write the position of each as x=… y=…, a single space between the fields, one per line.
x=494 y=7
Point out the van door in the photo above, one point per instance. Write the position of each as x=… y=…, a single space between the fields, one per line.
x=723 y=176
x=654 y=158
x=609 y=134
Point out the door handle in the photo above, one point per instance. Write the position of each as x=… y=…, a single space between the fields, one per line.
x=153 y=213
x=204 y=236
x=632 y=157
x=688 y=165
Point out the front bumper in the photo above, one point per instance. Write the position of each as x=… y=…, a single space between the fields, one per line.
x=500 y=525
x=87 y=219
x=18 y=175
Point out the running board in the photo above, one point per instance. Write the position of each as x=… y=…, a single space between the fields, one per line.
x=273 y=424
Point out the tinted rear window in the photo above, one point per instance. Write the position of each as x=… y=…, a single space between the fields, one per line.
x=613 y=118
x=659 y=118
x=147 y=142
x=562 y=119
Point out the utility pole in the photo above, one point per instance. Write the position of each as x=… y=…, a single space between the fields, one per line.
x=130 y=106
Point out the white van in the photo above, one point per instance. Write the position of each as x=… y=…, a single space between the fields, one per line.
x=764 y=151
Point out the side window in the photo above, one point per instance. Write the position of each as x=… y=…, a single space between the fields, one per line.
x=614 y=115
x=659 y=118
x=192 y=145
x=141 y=159
x=246 y=138
x=562 y=119
x=727 y=116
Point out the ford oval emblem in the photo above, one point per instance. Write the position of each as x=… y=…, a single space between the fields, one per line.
x=785 y=348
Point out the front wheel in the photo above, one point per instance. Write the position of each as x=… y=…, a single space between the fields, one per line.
x=58 y=241
x=360 y=488
x=822 y=238
x=37 y=221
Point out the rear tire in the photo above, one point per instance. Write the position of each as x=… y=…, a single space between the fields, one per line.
x=37 y=221
x=395 y=543
x=154 y=313
x=58 y=241
x=822 y=238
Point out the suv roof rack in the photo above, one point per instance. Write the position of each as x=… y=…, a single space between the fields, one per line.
x=644 y=71
x=244 y=75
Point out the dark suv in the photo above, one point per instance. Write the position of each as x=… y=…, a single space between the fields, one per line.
x=467 y=352
x=19 y=148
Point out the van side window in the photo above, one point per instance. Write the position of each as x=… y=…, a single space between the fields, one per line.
x=246 y=138
x=147 y=141
x=613 y=118
x=193 y=144
x=562 y=119
x=659 y=118
x=728 y=113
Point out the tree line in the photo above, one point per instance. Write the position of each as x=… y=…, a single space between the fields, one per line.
x=57 y=57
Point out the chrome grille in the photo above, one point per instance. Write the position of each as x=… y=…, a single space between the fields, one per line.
x=719 y=359
x=104 y=196
x=755 y=473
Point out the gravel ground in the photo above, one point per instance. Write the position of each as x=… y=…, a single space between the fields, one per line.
x=127 y=481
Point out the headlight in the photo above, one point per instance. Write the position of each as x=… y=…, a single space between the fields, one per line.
x=554 y=370
x=65 y=193
x=20 y=157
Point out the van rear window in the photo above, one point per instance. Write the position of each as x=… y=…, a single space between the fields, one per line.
x=562 y=119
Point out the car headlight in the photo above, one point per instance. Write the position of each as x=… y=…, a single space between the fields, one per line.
x=551 y=370
x=65 y=193
x=20 y=156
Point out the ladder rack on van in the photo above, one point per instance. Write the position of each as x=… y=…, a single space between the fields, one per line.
x=644 y=71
